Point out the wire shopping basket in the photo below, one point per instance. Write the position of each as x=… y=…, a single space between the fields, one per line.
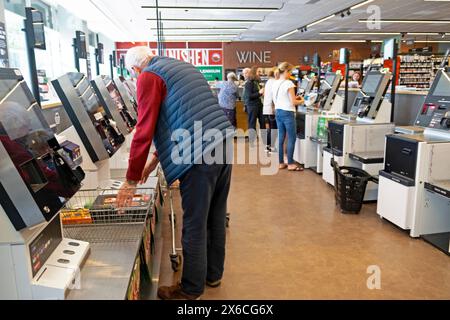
x=92 y=215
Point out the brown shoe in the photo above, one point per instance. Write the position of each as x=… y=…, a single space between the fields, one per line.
x=175 y=293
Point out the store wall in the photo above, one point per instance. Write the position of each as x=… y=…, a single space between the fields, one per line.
x=267 y=54
x=109 y=46
x=4 y=60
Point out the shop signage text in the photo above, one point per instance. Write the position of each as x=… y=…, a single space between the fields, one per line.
x=254 y=57
x=197 y=57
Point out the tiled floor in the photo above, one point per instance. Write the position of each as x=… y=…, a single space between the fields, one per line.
x=288 y=241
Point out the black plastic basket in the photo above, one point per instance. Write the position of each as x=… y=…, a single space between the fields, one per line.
x=350 y=185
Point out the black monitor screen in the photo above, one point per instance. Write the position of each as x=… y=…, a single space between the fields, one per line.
x=101 y=53
x=371 y=83
x=38 y=28
x=442 y=88
x=304 y=84
x=87 y=95
x=330 y=79
x=81 y=45
x=28 y=140
x=115 y=95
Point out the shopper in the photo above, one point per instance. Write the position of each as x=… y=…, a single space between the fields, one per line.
x=356 y=80
x=252 y=98
x=172 y=95
x=227 y=97
x=285 y=100
x=269 y=109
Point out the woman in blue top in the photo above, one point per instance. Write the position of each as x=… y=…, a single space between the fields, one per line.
x=227 y=97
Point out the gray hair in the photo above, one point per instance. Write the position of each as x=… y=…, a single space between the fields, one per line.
x=137 y=57
x=231 y=76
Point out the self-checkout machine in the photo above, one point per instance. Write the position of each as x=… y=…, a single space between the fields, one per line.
x=324 y=105
x=37 y=177
x=116 y=108
x=92 y=129
x=415 y=183
x=357 y=140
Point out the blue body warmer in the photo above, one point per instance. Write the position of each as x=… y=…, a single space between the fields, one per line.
x=189 y=99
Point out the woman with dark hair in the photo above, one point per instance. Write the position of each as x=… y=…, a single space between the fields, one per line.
x=252 y=99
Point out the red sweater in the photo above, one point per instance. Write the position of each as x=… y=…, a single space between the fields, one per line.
x=151 y=92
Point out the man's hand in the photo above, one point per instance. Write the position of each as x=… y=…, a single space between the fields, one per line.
x=126 y=194
x=150 y=166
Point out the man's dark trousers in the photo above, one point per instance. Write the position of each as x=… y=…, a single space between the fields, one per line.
x=204 y=192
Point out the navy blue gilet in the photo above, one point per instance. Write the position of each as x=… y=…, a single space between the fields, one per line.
x=189 y=100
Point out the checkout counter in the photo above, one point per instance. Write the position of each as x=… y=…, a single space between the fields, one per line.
x=357 y=139
x=37 y=178
x=319 y=107
x=407 y=103
x=415 y=182
x=60 y=239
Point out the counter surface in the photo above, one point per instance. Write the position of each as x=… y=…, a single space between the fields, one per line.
x=108 y=268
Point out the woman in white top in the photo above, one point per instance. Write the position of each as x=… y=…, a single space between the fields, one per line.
x=269 y=109
x=285 y=101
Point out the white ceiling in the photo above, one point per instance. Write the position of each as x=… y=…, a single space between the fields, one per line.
x=127 y=21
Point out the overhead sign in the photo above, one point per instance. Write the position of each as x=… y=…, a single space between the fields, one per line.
x=211 y=73
x=254 y=56
x=197 y=57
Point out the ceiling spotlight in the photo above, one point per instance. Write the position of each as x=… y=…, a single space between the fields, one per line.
x=442 y=34
x=403 y=34
x=348 y=12
x=342 y=14
x=306 y=29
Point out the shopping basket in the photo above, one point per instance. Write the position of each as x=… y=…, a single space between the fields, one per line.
x=350 y=185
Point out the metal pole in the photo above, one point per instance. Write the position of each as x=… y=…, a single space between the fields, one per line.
x=394 y=79
x=97 y=58
x=75 y=54
x=347 y=72
x=158 y=41
x=111 y=66
x=122 y=66
x=29 y=34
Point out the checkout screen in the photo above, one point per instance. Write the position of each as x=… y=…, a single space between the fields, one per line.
x=371 y=83
x=442 y=88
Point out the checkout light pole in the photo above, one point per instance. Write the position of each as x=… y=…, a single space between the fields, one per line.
x=394 y=78
x=34 y=24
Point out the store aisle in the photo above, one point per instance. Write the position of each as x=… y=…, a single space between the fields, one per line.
x=288 y=241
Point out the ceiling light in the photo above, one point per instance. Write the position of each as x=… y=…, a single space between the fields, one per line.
x=287 y=34
x=199 y=34
x=312 y=41
x=348 y=12
x=361 y=4
x=206 y=20
x=342 y=14
x=359 y=33
x=250 y=9
x=206 y=29
x=434 y=41
x=405 y=21
x=321 y=20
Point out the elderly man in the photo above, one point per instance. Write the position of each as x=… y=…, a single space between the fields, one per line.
x=173 y=99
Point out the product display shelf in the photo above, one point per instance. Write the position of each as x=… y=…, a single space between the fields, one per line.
x=418 y=71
